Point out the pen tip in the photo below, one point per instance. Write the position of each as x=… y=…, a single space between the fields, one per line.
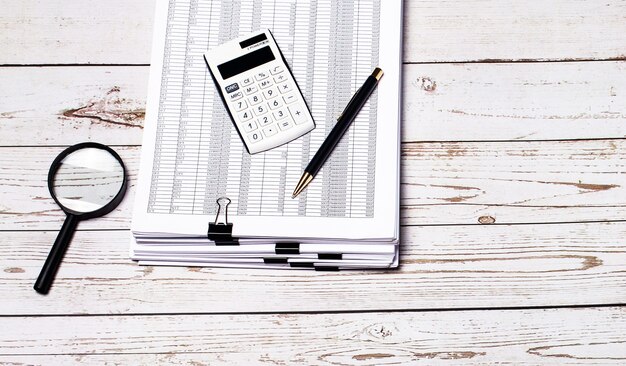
x=302 y=183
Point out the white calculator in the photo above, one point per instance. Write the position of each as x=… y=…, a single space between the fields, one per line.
x=259 y=91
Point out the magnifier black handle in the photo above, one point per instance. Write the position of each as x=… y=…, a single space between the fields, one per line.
x=49 y=270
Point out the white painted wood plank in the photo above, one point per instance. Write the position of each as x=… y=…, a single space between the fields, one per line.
x=451 y=102
x=523 y=101
x=67 y=105
x=441 y=267
x=442 y=183
x=550 y=181
x=77 y=32
x=96 y=32
x=564 y=336
x=483 y=30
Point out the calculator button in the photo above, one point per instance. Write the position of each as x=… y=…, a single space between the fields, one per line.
x=298 y=113
x=260 y=109
x=285 y=124
x=255 y=137
x=235 y=96
x=276 y=103
x=247 y=81
x=240 y=105
x=250 y=89
x=255 y=99
x=276 y=70
x=280 y=78
x=290 y=98
x=280 y=114
x=270 y=93
x=250 y=126
x=245 y=115
x=265 y=84
x=285 y=87
x=269 y=131
x=260 y=76
x=232 y=87
x=265 y=120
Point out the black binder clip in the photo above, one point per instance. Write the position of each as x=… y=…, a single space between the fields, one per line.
x=221 y=231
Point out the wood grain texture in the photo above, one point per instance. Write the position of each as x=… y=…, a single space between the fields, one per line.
x=80 y=32
x=530 y=182
x=525 y=337
x=486 y=30
x=514 y=101
x=40 y=32
x=441 y=267
x=442 y=183
x=67 y=105
x=448 y=102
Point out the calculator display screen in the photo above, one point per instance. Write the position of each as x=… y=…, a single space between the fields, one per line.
x=246 y=62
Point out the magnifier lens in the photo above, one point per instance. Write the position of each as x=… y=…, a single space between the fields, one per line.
x=87 y=179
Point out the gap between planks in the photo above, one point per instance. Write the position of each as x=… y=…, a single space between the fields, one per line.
x=329 y=312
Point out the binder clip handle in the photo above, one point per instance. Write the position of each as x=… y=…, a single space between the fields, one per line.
x=226 y=202
x=221 y=231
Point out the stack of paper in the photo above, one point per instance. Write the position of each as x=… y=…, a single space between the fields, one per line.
x=348 y=217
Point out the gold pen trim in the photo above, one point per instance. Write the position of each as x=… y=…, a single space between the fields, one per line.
x=304 y=181
x=378 y=73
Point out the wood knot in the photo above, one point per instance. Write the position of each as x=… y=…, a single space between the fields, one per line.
x=380 y=331
x=14 y=270
x=427 y=84
x=369 y=356
x=486 y=220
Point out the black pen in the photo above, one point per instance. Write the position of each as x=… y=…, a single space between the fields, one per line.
x=343 y=122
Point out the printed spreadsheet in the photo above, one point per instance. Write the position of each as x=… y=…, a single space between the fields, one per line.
x=331 y=47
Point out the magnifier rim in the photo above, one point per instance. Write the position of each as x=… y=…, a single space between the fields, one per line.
x=110 y=206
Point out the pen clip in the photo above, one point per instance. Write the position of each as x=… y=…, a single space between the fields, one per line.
x=349 y=103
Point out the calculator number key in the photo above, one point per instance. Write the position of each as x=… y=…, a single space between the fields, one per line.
x=250 y=126
x=255 y=137
x=260 y=109
x=245 y=115
x=275 y=103
x=255 y=99
x=265 y=120
x=240 y=105
x=270 y=93
x=280 y=114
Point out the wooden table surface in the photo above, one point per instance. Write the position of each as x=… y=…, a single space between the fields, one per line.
x=513 y=202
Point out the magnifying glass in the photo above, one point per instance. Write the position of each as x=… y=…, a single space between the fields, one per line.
x=86 y=180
